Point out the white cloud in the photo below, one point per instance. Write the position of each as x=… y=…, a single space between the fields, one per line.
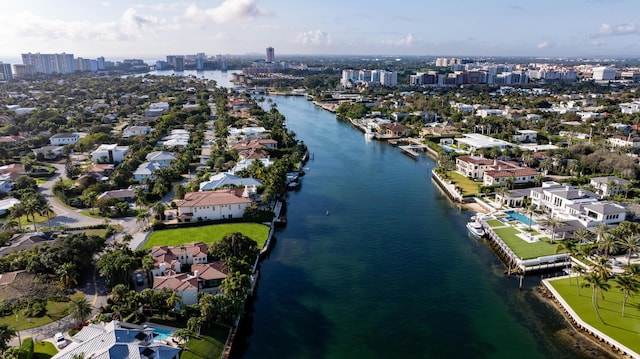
x=405 y=41
x=543 y=45
x=229 y=10
x=105 y=3
x=129 y=26
x=313 y=37
x=621 y=29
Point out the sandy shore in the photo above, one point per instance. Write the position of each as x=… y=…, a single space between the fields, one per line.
x=473 y=206
x=574 y=338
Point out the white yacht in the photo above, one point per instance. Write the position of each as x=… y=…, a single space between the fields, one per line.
x=475 y=228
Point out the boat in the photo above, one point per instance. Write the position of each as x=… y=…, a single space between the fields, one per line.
x=368 y=134
x=475 y=228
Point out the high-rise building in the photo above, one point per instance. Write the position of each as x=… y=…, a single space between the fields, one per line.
x=5 y=72
x=50 y=63
x=200 y=58
x=177 y=61
x=271 y=55
x=21 y=70
x=101 y=63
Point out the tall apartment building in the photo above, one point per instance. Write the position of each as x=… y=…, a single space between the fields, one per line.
x=200 y=58
x=50 y=63
x=604 y=73
x=383 y=77
x=177 y=61
x=5 y=72
x=271 y=55
x=21 y=70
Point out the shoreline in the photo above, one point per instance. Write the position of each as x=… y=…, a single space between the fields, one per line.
x=581 y=341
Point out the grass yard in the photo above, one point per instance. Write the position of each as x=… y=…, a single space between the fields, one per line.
x=44 y=350
x=495 y=223
x=623 y=329
x=207 y=234
x=523 y=249
x=55 y=311
x=468 y=186
x=209 y=345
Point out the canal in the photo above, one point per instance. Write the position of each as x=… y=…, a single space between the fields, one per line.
x=376 y=263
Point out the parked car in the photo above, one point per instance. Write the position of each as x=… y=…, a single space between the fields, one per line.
x=60 y=341
x=139 y=279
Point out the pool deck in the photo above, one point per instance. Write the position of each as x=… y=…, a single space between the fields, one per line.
x=515 y=263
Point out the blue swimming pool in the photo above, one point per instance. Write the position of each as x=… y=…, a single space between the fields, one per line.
x=161 y=334
x=520 y=217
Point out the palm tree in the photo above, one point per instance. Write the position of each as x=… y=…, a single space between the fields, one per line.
x=194 y=324
x=569 y=248
x=628 y=286
x=530 y=210
x=47 y=209
x=80 y=308
x=32 y=207
x=600 y=231
x=581 y=235
x=68 y=274
x=603 y=268
x=89 y=199
x=174 y=299
x=580 y=271
x=501 y=191
x=553 y=223
x=6 y=334
x=607 y=244
x=630 y=244
x=597 y=284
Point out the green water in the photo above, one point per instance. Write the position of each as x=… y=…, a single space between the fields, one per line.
x=391 y=271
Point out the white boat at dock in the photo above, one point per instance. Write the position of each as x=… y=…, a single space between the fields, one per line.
x=475 y=228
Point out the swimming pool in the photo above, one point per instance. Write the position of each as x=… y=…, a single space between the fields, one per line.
x=520 y=217
x=161 y=334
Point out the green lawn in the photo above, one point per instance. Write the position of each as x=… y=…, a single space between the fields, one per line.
x=467 y=185
x=625 y=330
x=44 y=350
x=55 y=311
x=523 y=249
x=209 y=345
x=495 y=223
x=207 y=234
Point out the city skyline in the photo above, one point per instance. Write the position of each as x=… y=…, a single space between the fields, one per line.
x=151 y=30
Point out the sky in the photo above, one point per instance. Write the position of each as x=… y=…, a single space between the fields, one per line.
x=150 y=30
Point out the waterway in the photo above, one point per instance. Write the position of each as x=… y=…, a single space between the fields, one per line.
x=222 y=78
x=390 y=271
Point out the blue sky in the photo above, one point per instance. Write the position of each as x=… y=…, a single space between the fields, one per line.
x=151 y=29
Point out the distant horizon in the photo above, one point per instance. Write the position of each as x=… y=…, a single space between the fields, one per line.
x=151 y=59
x=499 y=28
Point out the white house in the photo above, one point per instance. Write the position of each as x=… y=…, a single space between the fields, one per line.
x=7 y=204
x=526 y=136
x=609 y=185
x=227 y=179
x=109 y=153
x=624 y=141
x=49 y=152
x=161 y=158
x=136 y=130
x=214 y=205
x=61 y=139
x=246 y=163
x=117 y=340
x=145 y=170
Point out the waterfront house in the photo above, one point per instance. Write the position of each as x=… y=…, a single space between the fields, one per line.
x=186 y=270
x=396 y=129
x=117 y=340
x=472 y=142
x=473 y=166
x=214 y=205
x=225 y=179
x=109 y=153
x=608 y=186
x=515 y=173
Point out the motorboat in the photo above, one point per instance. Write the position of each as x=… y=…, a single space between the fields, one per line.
x=475 y=228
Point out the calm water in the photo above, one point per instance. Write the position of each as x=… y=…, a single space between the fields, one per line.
x=391 y=271
x=222 y=78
